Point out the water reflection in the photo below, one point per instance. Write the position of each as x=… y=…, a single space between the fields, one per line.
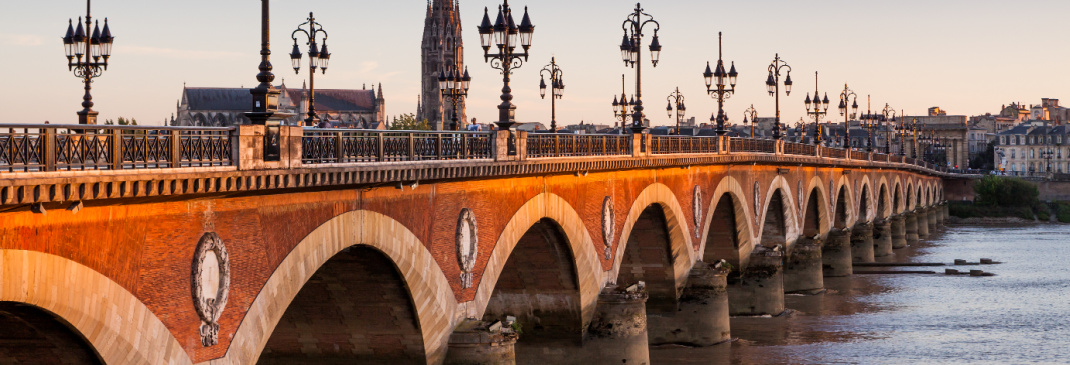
x=1015 y=317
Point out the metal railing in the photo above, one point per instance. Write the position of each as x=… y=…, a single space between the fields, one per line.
x=30 y=148
x=830 y=152
x=666 y=145
x=573 y=145
x=752 y=145
x=327 y=146
x=800 y=149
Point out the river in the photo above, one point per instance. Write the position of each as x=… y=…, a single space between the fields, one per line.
x=1019 y=316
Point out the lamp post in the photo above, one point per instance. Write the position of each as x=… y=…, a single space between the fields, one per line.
x=868 y=120
x=629 y=48
x=557 y=88
x=848 y=96
x=317 y=58
x=889 y=119
x=454 y=87
x=914 y=128
x=87 y=55
x=753 y=115
x=817 y=109
x=622 y=109
x=505 y=36
x=681 y=107
x=773 y=86
x=1047 y=154
x=717 y=78
x=265 y=95
x=799 y=130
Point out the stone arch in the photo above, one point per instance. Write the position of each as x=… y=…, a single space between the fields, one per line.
x=199 y=120
x=432 y=298
x=584 y=254
x=36 y=336
x=898 y=198
x=112 y=320
x=886 y=204
x=816 y=216
x=865 y=211
x=538 y=285
x=911 y=198
x=842 y=214
x=728 y=229
x=788 y=217
x=681 y=248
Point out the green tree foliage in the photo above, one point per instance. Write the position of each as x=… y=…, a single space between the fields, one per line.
x=987 y=160
x=408 y=122
x=1006 y=192
x=122 y=121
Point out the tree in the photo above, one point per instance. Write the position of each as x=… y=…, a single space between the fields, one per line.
x=122 y=121
x=408 y=122
x=1006 y=192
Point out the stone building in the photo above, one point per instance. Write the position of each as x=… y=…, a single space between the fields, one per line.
x=338 y=108
x=442 y=49
x=953 y=130
x=1035 y=148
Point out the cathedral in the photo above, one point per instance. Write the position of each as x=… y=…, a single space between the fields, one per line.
x=442 y=49
x=338 y=108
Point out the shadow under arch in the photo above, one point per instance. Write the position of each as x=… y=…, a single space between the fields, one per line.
x=681 y=250
x=432 y=298
x=584 y=255
x=728 y=231
x=117 y=325
x=779 y=216
x=816 y=214
x=864 y=203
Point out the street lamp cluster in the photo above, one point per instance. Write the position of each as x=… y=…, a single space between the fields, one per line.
x=630 y=46
x=504 y=36
x=87 y=56
x=817 y=108
x=718 y=78
x=317 y=58
x=681 y=107
x=557 y=88
x=772 y=84
x=622 y=108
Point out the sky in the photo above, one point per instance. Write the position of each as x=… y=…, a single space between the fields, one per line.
x=968 y=57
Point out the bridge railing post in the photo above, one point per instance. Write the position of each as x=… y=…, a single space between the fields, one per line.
x=116 y=149
x=49 y=158
x=339 y=148
x=176 y=149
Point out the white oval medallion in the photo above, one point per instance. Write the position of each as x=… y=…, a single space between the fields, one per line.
x=467 y=245
x=210 y=285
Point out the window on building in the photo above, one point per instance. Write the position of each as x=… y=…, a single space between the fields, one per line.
x=1013 y=154
x=1032 y=153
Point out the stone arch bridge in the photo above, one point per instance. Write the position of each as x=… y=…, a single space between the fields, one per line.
x=193 y=248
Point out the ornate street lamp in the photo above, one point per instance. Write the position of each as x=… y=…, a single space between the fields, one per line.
x=505 y=36
x=845 y=98
x=454 y=87
x=817 y=108
x=622 y=108
x=752 y=115
x=317 y=58
x=265 y=95
x=799 y=132
x=718 y=78
x=773 y=85
x=87 y=55
x=868 y=120
x=889 y=119
x=629 y=49
x=557 y=88
x=914 y=127
x=681 y=107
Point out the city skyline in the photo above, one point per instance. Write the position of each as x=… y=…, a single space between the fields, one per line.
x=950 y=56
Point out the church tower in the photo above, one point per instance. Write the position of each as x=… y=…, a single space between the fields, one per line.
x=442 y=49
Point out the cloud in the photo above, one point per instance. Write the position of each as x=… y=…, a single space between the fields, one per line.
x=25 y=40
x=176 y=53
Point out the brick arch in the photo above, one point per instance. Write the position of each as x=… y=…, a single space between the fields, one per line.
x=846 y=208
x=790 y=211
x=911 y=195
x=676 y=224
x=822 y=206
x=865 y=195
x=729 y=188
x=114 y=322
x=429 y=290
x=884 y=197
x=584 y=254
x=898 y=196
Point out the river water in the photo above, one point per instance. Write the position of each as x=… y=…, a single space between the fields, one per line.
x=1019 y=316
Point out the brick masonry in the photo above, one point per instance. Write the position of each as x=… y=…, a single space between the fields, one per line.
x=277 y=241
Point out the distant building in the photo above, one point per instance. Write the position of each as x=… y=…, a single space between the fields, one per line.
x=442 y=48
x=1034 y=148
x=222 y=107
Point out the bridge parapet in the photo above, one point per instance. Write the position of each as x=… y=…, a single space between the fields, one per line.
x=55 y=163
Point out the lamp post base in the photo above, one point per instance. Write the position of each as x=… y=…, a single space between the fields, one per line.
x=87 y=117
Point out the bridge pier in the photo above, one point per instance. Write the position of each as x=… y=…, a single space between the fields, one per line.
x=703 y=318
x=883 y=236
x=803 y=266
x=911 y=225
x=862 y=243
x=934 y=219
x=923 y=223
x=477 y=342
x=759 y=289
x=618 y=333
x=946 y=211
x=836 y=255
x=899 y=231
